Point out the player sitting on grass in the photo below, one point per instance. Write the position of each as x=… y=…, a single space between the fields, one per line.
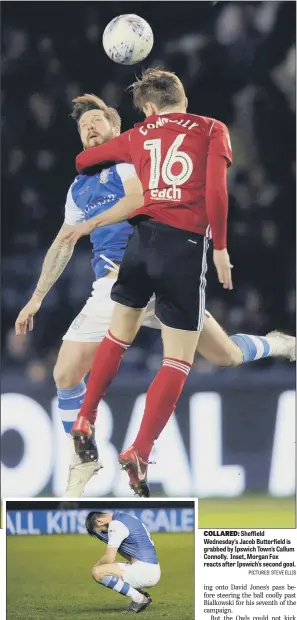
x=126 y=535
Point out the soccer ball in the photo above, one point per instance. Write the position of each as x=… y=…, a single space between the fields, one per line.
x=128 y=39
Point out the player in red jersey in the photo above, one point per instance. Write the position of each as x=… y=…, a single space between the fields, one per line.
x=181 y=160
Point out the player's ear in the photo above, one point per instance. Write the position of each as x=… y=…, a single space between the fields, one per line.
x=186 y=103
x=149 y=109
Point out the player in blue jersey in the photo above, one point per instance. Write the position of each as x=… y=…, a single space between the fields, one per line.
x=89 y=196
x=126 y=535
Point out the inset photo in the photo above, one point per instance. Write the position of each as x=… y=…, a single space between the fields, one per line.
x=100 y=559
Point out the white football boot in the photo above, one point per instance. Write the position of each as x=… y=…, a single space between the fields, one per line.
x=79 y=473
x=282 y=345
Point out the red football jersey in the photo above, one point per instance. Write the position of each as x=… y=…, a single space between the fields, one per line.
x=181 y=160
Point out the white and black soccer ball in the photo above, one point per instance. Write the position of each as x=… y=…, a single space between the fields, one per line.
x=128 y=39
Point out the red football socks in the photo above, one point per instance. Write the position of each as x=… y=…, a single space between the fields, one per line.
x=105 y=366
x=161 y=399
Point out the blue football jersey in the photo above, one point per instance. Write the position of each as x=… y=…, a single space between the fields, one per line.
x=89 y=196
x=137 y=543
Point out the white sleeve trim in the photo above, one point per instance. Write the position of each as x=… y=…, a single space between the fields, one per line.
x=125 y=172
x=211 y=127
x=117 y=532
x=73 y=215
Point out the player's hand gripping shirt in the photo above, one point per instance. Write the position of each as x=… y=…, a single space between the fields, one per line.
x=181 y=161
x=130 y=537
x=91 y=195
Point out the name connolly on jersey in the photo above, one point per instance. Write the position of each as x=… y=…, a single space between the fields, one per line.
x=162 y=121
x=170 y=193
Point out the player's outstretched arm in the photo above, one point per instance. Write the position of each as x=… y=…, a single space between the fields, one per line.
x=55 y=261
x=132 y=200
x=117 y=150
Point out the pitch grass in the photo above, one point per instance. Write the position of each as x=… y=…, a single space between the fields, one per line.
x=49 y=578
x=257 y=511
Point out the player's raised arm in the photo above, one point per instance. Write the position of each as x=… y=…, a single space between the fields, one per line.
x=216 y=196
x=55 y=261
x=117 y=150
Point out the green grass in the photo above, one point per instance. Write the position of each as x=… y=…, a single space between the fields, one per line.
x=49 y=578
x=258 y=511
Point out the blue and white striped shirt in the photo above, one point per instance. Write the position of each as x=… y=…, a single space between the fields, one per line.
x=90 y=195
x=130 y=536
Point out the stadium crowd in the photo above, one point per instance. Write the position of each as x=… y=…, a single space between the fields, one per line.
x=237 y=61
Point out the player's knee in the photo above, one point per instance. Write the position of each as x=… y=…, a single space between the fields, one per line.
x=232 y=356
x=96 y=573
x=99 y=572
x=66 y=377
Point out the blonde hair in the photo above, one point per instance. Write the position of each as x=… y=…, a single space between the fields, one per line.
x=157 y=86
x=87 y=102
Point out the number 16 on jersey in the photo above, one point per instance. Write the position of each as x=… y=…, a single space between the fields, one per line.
x=173 y=156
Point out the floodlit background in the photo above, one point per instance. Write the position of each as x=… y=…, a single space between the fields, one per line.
x=233 y=429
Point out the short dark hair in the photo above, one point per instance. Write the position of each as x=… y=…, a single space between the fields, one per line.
x=87 y=102
x=157 y=86
x=91 y=521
